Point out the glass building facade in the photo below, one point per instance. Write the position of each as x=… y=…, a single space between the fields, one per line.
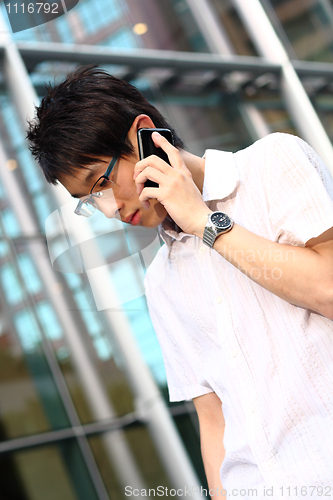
x=84 y=408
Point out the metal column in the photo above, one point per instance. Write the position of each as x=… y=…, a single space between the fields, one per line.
x=218 y=41
x=298 y=103
x=212 y=31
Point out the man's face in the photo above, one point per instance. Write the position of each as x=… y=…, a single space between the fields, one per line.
x=124 y=198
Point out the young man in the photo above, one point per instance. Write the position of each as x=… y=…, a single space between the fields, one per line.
x=241 y=300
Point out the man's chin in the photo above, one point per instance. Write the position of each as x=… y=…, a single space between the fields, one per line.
x=154 y=216
x=151 y=222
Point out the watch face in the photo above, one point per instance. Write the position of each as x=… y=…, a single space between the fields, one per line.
x=220 y=220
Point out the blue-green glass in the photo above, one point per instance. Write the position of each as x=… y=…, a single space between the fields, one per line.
x=29 y=399
x=47 y=473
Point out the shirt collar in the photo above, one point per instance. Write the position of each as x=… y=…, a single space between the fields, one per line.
x=220 y=180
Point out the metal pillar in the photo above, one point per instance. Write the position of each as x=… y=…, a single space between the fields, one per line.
x=150 y=402
x=212 y=31
x=328 y=9
x=298 y=103
x=218 y=41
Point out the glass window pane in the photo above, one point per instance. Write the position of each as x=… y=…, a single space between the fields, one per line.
x=307 y=27
x=46 y=473
x=29 y=400
x=144 y=453
x=166 y=24
x=323 y=101
x=43 y=474
x=233 y=27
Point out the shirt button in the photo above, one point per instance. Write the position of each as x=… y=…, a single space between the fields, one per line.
x=233 y=353
x=269 y=466
x=252 y=408
x=202 y=250
x=219 y=300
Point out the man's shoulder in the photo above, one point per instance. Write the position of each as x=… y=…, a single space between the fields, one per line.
x=275 y=138
x=291 y=151
x=274 y=147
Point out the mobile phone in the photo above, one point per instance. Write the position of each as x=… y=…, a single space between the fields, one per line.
x=147 y=146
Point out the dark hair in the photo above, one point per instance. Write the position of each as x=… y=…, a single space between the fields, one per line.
x=84 y=118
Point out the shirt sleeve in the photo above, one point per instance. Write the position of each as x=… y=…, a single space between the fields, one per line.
x=300 y=191
x=182 y=371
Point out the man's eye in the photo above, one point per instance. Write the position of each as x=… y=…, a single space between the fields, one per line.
x=104 y=184
x=100 y=185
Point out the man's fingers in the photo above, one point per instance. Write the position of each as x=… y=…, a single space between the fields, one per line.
x=172 y=152
x=148 y=173
x=151 y=161
x=146 y=195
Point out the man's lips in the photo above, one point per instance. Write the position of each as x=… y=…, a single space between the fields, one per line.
x=136 y=218
x=130 y=217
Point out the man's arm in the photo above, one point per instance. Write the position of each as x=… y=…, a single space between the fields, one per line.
x=211 y=423
x=302 y=276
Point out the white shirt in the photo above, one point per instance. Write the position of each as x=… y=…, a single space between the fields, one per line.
x=270 y=363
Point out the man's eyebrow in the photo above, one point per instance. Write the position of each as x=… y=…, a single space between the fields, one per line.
x=91 y=174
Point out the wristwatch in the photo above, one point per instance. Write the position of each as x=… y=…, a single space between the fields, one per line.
x=218 y=223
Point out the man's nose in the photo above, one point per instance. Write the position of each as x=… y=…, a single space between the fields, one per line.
x=108 y=205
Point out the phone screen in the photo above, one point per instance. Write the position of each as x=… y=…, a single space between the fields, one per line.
x=147 y=146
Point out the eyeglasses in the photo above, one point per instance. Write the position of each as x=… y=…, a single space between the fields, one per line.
x=101 y=189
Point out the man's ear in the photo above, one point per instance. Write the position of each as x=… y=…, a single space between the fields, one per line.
x=141 y=121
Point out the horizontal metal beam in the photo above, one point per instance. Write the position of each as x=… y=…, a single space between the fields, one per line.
x=34 y=53
x=46 y=438
x=315 y=69
x=114 y=424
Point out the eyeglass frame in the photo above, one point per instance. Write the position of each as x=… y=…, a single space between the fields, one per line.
x=106 y=176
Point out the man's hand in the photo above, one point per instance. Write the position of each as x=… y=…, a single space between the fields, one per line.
x=177 y=191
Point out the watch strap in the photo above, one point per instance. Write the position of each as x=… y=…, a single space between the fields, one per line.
x=209 y=236
x=211 y=232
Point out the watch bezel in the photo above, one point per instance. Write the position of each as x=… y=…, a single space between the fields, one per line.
x=215 y=226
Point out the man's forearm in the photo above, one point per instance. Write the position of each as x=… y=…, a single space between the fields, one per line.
x=214 y=481
x=213 y=452
x=298 y=275
x=212 y=425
